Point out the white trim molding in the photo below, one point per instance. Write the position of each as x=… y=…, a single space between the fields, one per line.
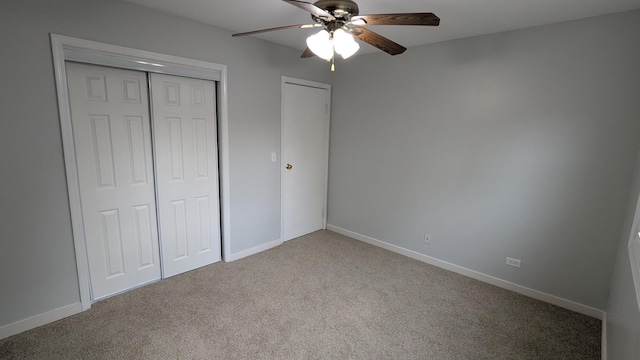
x=603 y=346
x=66 y=48
x=39 y=320
x=254 y=250
x=535 y=294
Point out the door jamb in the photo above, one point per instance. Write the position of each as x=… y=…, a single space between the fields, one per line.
x=294 y=81
x=110 y=55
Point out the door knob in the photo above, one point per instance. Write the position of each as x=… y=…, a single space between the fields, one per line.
x=289 y=166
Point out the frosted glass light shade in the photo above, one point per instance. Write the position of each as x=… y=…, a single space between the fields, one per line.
x=321 y=44
x=344 y=43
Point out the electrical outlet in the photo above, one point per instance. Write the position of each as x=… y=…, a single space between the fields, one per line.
x=513 y=262
x=427 y=239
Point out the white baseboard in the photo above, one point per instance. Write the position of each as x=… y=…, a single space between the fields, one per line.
x=39 y=320
x=65 y=311
x=254 y=250
x=603 y=347
x=548 y=298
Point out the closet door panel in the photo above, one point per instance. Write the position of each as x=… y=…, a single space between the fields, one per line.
x=112 y=137
x=185 y=134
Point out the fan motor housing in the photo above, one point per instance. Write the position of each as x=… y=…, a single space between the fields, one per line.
x=339 y=8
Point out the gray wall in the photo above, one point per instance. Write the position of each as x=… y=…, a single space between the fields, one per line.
x=519 y=144
x=37 y=263
x=623 y=316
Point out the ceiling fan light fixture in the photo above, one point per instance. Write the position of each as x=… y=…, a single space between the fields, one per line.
x=321 y=44
x=344 y=43
x=342 y=17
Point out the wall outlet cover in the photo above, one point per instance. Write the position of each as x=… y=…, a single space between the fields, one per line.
x=427 y=238
x=513 y=262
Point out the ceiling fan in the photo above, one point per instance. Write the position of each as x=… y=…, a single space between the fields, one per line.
x=340 y=22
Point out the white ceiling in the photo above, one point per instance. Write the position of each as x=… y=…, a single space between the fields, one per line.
x=459 y=18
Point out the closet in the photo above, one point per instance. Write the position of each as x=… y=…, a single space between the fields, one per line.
x=146 y=154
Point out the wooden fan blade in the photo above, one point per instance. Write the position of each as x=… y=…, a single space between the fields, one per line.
x=307 y=53
x=428 y=19
x=314 y=10
x=378 y=41
x=302 y=26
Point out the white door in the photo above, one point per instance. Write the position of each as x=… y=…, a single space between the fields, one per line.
x=110 y=119
x=185 y=134
x=305 y=150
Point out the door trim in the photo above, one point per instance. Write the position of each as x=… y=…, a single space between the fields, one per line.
x=294 y=81
x=67 y=48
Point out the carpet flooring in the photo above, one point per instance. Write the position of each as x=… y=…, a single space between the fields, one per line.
x=321 y=296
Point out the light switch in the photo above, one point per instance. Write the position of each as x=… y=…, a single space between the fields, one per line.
x=273 y=157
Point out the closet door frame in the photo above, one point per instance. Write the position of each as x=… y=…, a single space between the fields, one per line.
x=65 y=48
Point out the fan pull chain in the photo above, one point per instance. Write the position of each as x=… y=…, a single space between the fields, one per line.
x=333 y=63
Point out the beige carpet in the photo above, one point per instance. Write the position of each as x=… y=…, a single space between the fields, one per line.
x=322 y=296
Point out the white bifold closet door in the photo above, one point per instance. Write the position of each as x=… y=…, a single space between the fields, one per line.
x=184 y=127
x=111 y=130
x=137 y=221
